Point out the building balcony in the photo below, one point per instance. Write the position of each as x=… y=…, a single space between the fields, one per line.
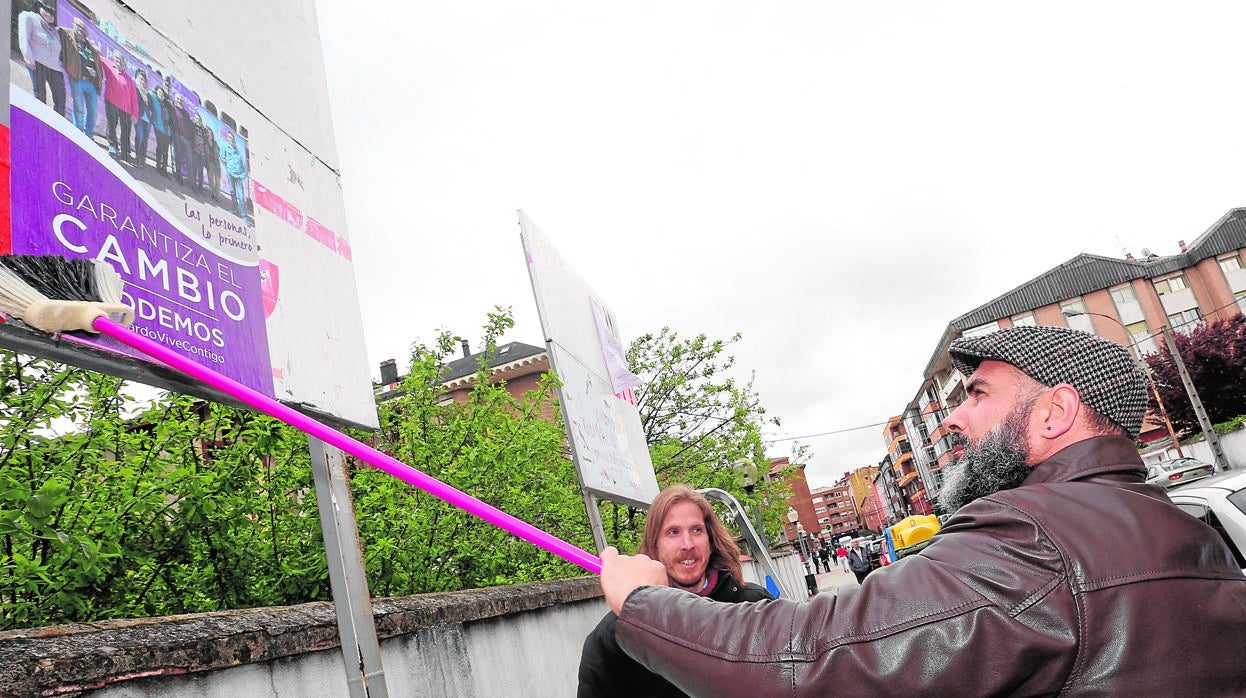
x=903 y=465
x=899 y=443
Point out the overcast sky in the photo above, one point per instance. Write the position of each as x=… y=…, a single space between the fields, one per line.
x=835 y=180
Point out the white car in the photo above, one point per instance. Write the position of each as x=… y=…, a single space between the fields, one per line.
x=1178 y=471
x=1220 y=502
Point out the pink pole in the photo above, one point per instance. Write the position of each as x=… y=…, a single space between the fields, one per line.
x=379 y=460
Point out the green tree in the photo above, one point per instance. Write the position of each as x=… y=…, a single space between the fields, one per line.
x=1215 y=356
x=112 y=507
x=493 y=446
x=699 y=422
x=189 y=506
x=180 y=508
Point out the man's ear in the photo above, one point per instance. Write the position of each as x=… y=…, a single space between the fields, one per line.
x=1060 y=408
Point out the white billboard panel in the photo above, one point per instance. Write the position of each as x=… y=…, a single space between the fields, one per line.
x=189 y=145
x=604 y=430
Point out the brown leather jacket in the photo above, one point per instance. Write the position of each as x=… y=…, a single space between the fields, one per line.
x=1082 y=581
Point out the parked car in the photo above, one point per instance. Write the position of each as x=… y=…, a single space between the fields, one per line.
x=874 y=549
x=1178 y=471
x=1219 y=502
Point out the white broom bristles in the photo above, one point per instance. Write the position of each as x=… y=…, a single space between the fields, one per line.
x=109 y=282
x=15 y=294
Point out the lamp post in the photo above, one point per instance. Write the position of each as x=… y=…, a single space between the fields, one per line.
x=794 y=517
x=746 y=473
x=811 y=579
x=1146 y=368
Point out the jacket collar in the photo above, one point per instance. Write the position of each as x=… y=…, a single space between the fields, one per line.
x=1111 y=457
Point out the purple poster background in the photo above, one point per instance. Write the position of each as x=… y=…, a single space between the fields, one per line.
x=69 y=200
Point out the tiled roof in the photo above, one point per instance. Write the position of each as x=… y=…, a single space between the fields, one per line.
x=467 y=366
x=506 y=353
x=1086 y=273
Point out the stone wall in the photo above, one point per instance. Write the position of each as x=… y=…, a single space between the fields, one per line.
x=513 y=640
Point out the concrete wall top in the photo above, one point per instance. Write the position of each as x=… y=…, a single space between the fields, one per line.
x=68 y=660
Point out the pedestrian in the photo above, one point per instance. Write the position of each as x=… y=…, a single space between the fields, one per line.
x=841 y=554
x=859 y=561
x=1058 y=572
x=699 y=557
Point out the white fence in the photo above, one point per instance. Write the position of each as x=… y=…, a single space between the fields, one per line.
x=1233 y=444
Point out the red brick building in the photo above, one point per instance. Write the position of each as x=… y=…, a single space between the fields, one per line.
x=520 y=365
x=794 y=475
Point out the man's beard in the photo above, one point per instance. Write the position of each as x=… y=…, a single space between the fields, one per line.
x=996 y=463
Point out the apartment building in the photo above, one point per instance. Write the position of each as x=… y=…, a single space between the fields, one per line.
x=907 y=488
x=1125 y=300
x=864 y=502
x=821 y=498
x=890 y=502
x=841 y=510
x=801 y=500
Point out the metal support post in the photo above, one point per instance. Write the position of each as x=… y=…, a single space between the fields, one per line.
x=594 y=522
x=361 y=652
x=1209 y=431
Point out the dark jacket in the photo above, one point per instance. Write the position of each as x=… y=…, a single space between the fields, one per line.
x=1082 y=581
x=859 y=560
x=606 y=671
x=73 y=61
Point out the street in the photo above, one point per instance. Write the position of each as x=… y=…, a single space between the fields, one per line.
x=832 y=582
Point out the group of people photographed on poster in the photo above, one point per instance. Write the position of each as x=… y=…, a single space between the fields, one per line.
x=151 y=119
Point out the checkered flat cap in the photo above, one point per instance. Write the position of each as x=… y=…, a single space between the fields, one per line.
x=1103 y=372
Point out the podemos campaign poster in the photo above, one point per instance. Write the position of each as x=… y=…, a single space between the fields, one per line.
x=118 y=157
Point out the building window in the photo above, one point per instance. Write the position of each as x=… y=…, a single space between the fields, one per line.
x=1184 y=320
x=1074 y=313
x=1230 y=264
x=1024 y=320
x=1240 y=297
x=1123 y=294
x=1172 y=285
x=1139 y=331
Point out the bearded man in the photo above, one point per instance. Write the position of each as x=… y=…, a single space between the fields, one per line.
x=1060 y=572
x=698 y=556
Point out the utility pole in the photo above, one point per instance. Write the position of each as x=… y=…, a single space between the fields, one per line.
x=1203 y=421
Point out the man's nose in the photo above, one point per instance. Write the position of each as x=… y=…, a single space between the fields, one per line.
x=954 y=422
